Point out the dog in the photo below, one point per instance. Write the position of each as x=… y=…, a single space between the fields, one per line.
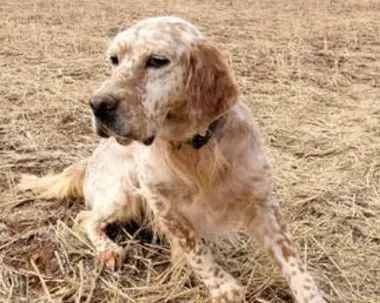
x=181 y=147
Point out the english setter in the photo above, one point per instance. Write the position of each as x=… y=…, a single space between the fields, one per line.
x=180 y=144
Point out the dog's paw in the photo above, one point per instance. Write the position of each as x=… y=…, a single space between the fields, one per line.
x=112 y=257
x=228 y=293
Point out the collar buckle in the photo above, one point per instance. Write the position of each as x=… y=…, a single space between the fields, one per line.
x=197 y=141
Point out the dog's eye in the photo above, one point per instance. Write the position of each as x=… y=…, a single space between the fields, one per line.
x=157 y=62
x=114 y=60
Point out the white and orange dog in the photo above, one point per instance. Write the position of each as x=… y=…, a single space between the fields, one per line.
x=181 y=145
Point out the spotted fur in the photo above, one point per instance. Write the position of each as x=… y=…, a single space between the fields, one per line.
x=192 y=195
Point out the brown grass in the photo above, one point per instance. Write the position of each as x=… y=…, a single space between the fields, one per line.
x=310 y=71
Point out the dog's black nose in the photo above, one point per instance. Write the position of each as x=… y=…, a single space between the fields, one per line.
x=103 y=104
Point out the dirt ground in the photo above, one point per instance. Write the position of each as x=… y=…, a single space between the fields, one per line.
x=310 y=70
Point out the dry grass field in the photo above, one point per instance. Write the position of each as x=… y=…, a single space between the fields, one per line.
x=310 y=71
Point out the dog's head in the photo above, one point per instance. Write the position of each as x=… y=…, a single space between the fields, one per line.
x=167 y=81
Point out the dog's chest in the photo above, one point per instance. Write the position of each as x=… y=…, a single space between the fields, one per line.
x=222 y=205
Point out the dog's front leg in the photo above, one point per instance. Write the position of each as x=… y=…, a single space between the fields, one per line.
x=269 y=228
x=109 y=254
x=222 y=286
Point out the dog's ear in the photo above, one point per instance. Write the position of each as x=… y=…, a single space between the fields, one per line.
x=211 y=86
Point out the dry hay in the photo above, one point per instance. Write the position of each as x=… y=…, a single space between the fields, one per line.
x=310 y=71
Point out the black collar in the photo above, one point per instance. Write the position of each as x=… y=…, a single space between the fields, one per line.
x=197 y=141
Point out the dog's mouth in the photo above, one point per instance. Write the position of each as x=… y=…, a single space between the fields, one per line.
x=127 y=140
x=149 y=140
x=101 y=132
x=123 y=139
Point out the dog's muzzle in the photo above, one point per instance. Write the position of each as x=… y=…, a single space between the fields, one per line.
x=106 y=122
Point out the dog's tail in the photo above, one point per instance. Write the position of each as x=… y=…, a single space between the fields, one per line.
x=67 y=184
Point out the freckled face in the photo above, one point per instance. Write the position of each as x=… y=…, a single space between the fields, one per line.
x=144 y=97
